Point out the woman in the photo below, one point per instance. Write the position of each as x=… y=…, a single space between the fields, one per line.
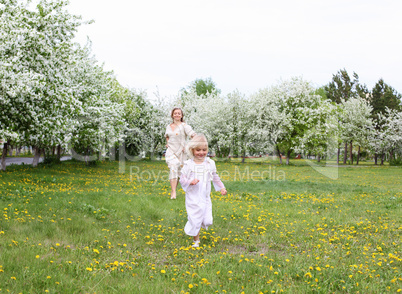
x=176 y=135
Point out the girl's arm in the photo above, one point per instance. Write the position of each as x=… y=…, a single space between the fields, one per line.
x=216 y=180
x=186 y=178
x=219 y=186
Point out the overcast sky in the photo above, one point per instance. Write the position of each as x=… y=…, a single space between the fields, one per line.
x=245 y=45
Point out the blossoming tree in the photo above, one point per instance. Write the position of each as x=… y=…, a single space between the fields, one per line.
x=302 y=107
x=35 y=49
x=356 y=123
x=100 y=122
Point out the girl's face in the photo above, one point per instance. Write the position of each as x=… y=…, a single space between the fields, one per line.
x=177 y=115
x=200 y=152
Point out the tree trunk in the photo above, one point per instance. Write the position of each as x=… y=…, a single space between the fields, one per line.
x=375 y=158
x=391 y=155
x=37 y=155
x=58 y=152
x=86 y=157
x=279 y=154
x=318 y=157
x=345 y=157
x=338 y=155
x=100 y=154
x=112 y=154
x=3 y=157
x=382 y=158
x=351 y=153
x=243 y=156
x=17 y=151
x=10 y=151
x=358 y=156
x=152 y=154
x=287 y=157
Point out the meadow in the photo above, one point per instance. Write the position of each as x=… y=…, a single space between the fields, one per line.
x=112 y=228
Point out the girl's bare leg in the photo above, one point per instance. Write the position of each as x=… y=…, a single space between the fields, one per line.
x=196 y=240
x=173 y=185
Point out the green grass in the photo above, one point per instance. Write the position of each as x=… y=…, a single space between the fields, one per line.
x=69 y=228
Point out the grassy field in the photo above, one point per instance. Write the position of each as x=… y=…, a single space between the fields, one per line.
x=69 y=228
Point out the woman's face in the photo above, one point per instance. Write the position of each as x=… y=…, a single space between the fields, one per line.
x=177 y=115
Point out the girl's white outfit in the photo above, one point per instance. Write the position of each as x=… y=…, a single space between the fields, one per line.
x=198 y=197
x=175 y=156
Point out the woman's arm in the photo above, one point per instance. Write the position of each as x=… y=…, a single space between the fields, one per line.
x=167 y=136
x=189 y=131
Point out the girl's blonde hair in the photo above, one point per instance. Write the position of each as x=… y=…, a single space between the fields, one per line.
x=197 y=141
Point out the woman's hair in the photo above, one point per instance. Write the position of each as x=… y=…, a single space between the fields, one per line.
x=197 y=141
x=177 y=108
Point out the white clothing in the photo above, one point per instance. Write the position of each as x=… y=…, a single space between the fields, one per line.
x=198 y=197
x=175 y=155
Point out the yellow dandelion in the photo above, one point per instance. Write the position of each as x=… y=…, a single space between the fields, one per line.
x=190 y=286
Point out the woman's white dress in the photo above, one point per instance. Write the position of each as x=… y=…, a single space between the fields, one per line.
x=198 y=197
x=175 y=156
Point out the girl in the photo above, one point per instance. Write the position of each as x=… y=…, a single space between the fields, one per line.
x=196 y=177
x=176 y=134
